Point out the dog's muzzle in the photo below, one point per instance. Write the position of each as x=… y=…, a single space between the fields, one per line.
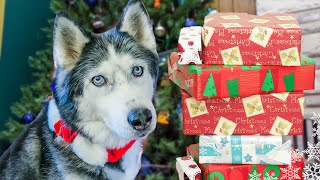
x=140 y=119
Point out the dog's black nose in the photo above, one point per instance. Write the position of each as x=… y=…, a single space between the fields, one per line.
x=140 y=118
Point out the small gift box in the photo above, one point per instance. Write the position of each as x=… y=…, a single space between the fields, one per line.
x=187 y=168
x=190 y=45
x=242 y=39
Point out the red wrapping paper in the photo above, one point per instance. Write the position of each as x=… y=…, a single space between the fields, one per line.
x=249 y=79
x=244 y=172
x=269 y=114
x=239 y=38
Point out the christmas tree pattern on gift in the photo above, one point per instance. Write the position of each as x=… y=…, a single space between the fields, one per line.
x=268 y=84
x=210 y=89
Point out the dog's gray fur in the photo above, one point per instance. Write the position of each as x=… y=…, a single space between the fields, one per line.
x=98 y=114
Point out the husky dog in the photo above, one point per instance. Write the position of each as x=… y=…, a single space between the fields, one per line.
x=103 y=87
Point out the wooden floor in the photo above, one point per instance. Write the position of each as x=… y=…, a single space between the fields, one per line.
x=307 y=13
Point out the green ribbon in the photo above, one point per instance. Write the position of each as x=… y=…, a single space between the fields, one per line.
x=213 y=67
x=305 y=60
x=248 y=68
x=197 y=69
x=268 y=84
x=194 y=69
x=228 y=66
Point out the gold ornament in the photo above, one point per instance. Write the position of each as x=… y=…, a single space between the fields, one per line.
x=163 y=117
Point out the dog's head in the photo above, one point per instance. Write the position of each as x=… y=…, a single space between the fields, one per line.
x=104 y=83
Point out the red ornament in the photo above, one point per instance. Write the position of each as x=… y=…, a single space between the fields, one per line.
x=157 y=4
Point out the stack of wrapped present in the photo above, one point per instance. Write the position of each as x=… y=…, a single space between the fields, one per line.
x=242 y=79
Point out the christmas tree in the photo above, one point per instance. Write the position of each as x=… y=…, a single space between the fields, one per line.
x=168 y=17
x=210 y=89
x=268 y=82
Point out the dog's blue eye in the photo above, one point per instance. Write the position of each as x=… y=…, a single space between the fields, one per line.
x=98 y=81
x=137 y=71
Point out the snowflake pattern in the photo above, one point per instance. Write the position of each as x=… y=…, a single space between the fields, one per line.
x=254 y=176
x=316 y=132
x=290 y=173
x=312 y=172
x=237 y=158
x=316 y=118
x=296 y=156
x=235 y=141
x=202 y=151
x=268 y=176
x=313 y=151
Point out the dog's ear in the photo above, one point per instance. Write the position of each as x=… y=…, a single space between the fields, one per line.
x=136 y=22
x=69 y=40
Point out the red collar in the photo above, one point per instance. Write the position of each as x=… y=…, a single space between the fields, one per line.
x=113 y=155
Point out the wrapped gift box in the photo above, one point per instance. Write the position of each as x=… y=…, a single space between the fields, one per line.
x=249 y=171
x=268 y=114
x=219 y=81
x=187 y=168
x=190 y=45
x=244 y=150
x=237 y=39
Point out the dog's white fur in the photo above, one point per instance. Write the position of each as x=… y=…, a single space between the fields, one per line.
x=95 y=154
x=105 y=118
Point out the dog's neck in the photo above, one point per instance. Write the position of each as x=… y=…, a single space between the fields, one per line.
x=91 y=153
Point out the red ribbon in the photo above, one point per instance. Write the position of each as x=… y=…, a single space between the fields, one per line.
x=113 y=155
x=64 y=131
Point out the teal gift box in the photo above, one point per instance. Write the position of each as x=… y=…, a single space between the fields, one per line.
x=244 y=150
